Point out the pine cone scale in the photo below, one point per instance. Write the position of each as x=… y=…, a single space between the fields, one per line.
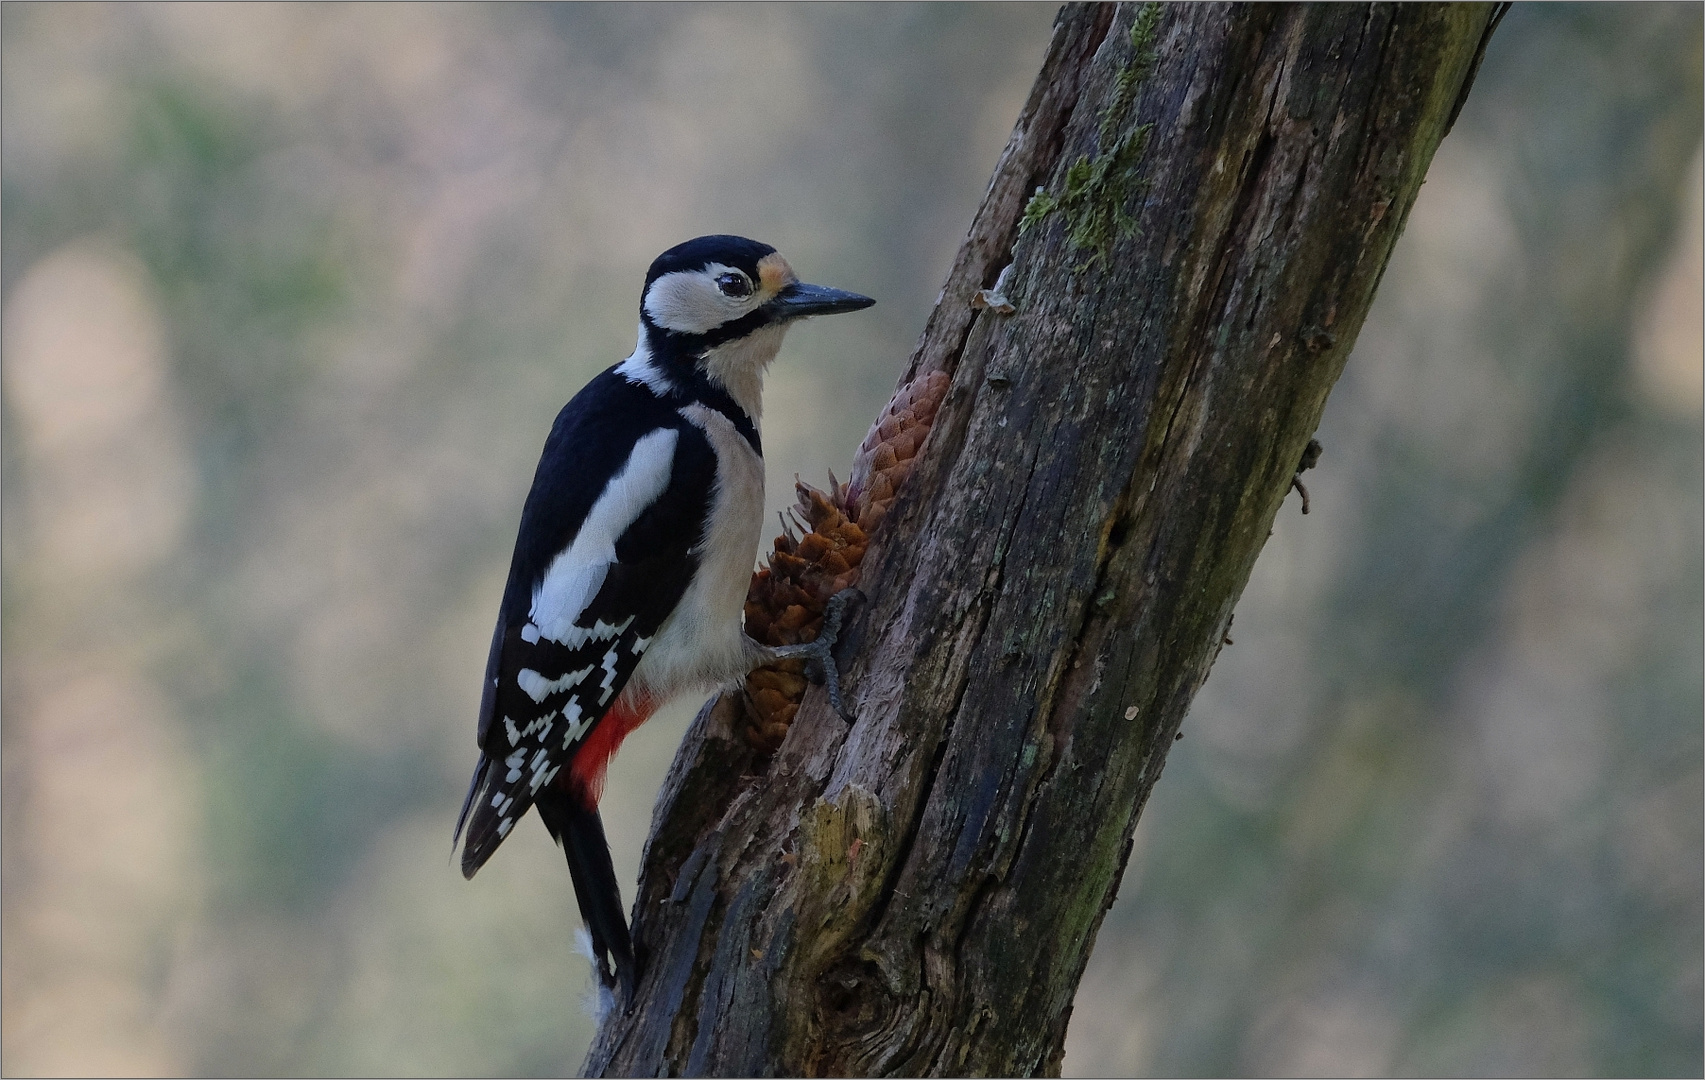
x=786 y=599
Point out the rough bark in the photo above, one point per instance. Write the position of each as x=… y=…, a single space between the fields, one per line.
x=916 y=893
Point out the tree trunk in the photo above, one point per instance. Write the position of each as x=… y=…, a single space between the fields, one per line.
x=916 y=893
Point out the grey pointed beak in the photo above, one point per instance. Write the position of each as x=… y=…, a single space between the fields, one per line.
x=799 y=300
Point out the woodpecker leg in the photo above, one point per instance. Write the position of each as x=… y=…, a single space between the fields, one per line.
x=818 y=655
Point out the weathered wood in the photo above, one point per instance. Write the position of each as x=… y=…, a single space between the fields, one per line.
x=917 y=893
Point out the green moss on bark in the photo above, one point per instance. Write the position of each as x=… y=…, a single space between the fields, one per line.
x=1097 y=190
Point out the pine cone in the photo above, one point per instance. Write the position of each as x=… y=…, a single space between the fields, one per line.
x=885 y=457
x=784 y=605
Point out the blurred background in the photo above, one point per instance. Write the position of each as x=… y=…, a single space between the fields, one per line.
x=292 y=293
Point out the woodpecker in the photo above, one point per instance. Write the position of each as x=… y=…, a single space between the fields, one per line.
x=636 y=545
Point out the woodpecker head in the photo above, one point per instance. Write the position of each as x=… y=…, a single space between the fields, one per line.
x=720 y=304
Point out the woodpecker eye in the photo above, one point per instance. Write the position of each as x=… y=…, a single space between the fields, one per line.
x=734 y=285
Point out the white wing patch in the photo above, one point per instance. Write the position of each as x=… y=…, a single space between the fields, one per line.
x=577 y=573
x=539 y=688
x=543 y=770
x=601 y=631
x=542 y=725
x=609 y=676
x=576 y=726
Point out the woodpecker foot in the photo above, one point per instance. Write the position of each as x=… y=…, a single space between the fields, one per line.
x=818 y=655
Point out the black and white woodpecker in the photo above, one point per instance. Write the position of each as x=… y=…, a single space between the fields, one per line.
x=636 y=546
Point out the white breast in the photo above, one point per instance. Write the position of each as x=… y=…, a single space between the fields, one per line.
x=738 y=366
x=702 y=642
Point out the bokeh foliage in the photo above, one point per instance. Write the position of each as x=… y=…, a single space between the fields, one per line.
x=1438 y=809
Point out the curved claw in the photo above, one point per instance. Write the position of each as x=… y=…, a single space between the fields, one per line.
x=819 y=654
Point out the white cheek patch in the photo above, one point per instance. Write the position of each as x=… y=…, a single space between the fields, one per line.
x=689 y=302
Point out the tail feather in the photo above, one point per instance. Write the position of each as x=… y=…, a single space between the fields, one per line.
x=484 y=823
x=468 y=799
x=580 y=831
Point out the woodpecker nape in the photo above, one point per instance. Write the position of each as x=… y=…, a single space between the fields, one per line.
x=631 y=565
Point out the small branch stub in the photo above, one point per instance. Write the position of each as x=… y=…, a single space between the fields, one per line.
x=1310 y=458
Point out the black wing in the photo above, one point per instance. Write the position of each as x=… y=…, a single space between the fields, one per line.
x=543 y=696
